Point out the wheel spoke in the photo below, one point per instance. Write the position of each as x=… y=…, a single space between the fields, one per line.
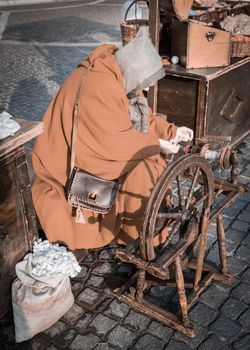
x=191 y=191
x=199 y=198
x=170 y=215
x=181 y=193
x=175 y=228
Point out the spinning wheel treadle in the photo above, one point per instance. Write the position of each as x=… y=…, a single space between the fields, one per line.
x=179 y=209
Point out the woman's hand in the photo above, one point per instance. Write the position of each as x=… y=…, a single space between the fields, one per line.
x=167 y=147
x=183 y=134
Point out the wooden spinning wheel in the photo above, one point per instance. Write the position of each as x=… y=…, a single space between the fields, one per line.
x=185 y=189
x=179 y=203
x=171 y=248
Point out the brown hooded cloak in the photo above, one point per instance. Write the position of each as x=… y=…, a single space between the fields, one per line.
x=107 y=146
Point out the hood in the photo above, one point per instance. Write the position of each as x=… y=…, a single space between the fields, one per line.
x=101 y=51
x=140 y=63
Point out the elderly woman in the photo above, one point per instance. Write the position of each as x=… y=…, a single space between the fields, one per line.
x=118 y=137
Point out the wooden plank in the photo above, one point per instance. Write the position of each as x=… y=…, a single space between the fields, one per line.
x=154 y=30
x=204 y=73
x=29 y=130
x=158 y=314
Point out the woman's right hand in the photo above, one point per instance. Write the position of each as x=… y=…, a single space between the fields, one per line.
x=167 y=147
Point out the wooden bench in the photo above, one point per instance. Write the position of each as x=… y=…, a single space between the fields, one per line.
x=18 y=226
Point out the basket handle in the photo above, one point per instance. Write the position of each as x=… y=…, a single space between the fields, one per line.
x=134 y=2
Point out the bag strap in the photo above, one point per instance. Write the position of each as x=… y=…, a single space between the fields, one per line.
x=75 y=118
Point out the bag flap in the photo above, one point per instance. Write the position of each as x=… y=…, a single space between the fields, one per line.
x=92 y=189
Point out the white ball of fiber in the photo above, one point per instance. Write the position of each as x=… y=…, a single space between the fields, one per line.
x=175 y=59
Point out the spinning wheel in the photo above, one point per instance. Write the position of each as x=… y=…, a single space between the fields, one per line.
x=177 y=216
x=184 y=190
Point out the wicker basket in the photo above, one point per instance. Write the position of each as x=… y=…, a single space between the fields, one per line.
x=129 y=28
x=240 y=45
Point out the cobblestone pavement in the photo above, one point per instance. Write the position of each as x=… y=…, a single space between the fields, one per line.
x=39 y=47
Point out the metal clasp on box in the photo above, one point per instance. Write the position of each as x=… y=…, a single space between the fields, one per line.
x=92 y=196
x=210 y=36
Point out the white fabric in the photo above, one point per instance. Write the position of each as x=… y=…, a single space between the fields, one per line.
x=183 y=134
x=50 y=259
x=239 y=24
x=41 y=293
x=140 y=63
x=167 y=147
x=8 y=126
x=138 y=113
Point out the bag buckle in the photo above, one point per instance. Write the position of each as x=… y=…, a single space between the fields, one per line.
x=92 y=196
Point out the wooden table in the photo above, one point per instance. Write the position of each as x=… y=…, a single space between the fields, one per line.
x=17 y=216
x=214 y=102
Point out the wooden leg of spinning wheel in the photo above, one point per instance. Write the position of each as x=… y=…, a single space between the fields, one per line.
x=222 y=245
x=201 y=250
x=181 y=292
x=140 y=285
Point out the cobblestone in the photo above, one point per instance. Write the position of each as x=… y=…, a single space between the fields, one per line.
x=136 y=321
x=76 y=287
x=103 y=346
x=245 y=320
x=31 y=73
x=233 y=308
x=177 y=345
x=243 y=344
x=73 y=315
x=148 y=342
x=244 y=216
x=58 y=328
x=88 y=296
x=83 y=322
x=226 y=329
x=82 y=274
x=38 y=343
x=213 y=342
x=242 y=292
x=235 y=266
x=160 y=331
x=95 y=281
x=243 y=253
x=202 y=314
x=117 y=309
x=214 y=297
x=103 y=269
x=240 y=225
x=102 y=324
x=235 y=236
x=246 y=276
x=84 y=342
x=65 y=339
x=246 y=241
x=121 y=337
x=201 y=334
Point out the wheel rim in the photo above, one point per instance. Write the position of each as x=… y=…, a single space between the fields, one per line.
x=191 y=180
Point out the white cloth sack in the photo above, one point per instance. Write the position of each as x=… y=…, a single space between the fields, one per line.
x=38 y=302
x=8 y=126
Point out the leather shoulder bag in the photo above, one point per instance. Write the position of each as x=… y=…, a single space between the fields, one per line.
x=84 y=190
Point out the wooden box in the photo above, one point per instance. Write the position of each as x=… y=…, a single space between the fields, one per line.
x=214 y=102
x=17 y=215
x=198 y=44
